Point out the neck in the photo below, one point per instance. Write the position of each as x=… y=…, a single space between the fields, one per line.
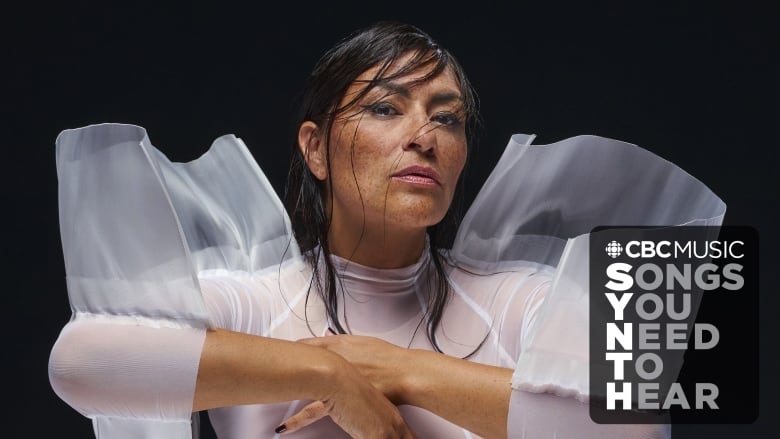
x=389 y=247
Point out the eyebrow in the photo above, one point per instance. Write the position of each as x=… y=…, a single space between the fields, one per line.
x=437 y=98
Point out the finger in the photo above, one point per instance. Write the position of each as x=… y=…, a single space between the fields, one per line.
x=309 y=414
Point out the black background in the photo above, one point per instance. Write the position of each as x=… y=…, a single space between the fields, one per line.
x=692 y=82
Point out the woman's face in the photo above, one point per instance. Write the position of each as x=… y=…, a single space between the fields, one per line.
x=396 y=155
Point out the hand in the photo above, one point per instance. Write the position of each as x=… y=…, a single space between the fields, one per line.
x=472 y=395
x=382 y=363
x=354 y=405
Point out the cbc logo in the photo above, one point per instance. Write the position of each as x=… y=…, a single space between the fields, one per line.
x=614 y=249
x=640 y=249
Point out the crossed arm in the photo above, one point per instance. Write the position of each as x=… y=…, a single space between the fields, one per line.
x=121 y=370
x=359 y=380
x=472 y=395
x=355 y=380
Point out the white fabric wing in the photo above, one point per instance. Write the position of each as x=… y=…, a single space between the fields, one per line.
x=136 y=230
x=539 y=196
x=540 y=203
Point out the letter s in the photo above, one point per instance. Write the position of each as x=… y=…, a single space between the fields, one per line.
x=620 y=280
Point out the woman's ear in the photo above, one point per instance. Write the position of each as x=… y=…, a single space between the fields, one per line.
x=312 y=145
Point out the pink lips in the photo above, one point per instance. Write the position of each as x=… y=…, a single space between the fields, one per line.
x=420 y=175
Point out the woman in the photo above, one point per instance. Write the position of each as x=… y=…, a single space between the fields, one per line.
x=190 y=291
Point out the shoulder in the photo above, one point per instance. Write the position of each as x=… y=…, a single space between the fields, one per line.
x=263 y=281
x=500 y=290
x=236 y=298
x=501 y=296
x=507 y=277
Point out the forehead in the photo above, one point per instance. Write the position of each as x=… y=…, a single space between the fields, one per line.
x=445 y=79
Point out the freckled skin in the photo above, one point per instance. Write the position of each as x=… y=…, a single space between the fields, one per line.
x=368 y=147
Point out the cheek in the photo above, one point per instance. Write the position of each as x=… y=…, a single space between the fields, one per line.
x=358 y=158
x=462 y=157
x=373 y=153
x=343 y=151
x=456 y=159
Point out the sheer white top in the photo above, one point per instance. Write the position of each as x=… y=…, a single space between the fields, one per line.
x=156 y=252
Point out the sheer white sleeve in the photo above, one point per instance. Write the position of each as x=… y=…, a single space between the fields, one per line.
x=136 y=230
x=537 y=207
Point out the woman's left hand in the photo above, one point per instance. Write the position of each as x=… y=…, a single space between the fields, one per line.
x=385 y=365
x=472 y=395
x=381 y=363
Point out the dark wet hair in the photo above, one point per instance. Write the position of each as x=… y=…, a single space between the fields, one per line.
x=376 y=46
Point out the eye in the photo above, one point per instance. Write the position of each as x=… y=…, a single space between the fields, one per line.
x=382 y=109
x=446 y=119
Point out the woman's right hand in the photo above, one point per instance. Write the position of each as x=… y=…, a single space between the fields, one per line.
x=356 y=406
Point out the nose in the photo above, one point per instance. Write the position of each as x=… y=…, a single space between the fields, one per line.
x=424 y=139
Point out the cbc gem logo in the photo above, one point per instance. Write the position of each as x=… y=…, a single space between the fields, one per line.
x=614 y=249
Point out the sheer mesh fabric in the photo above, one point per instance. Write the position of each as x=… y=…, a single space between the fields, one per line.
x=156 y=252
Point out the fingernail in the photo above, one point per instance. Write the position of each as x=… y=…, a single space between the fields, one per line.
x=280 y=429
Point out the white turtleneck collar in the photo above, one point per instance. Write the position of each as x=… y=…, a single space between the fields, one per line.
x=366 y=280
x=377 y=300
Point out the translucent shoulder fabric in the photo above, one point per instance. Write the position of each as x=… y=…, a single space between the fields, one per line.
x=540 y=203
x=138 y=229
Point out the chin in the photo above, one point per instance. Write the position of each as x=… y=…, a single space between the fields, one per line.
x=412 y=219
